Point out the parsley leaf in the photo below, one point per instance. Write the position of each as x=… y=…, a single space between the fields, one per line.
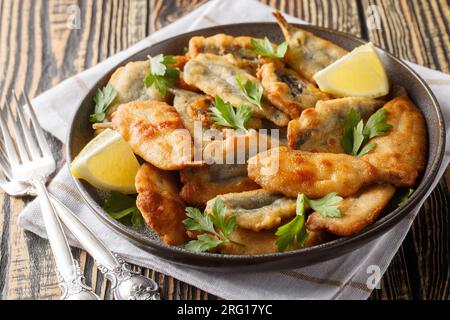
x=216 y=226
x=103 y=99
x=223 y=113
x=358 y=137
x=405 y=194
x=352 y=120
x=252 y=91
x=120 y=206
x=294 y=232
x=203 y=243
x=264 y=48
x=356 y=134
x=327 y=206
x=366 y=149
x=161 y=74
x=376 y=125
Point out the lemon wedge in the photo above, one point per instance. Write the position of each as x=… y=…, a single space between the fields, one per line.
x=359 y=73
x=108 y=163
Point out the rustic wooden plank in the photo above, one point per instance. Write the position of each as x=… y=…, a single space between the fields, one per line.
x=418 y=31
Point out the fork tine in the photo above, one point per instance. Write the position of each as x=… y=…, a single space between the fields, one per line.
x=2 y=177
x=31 y=143
x=4 y=166
x=37 y=127
x=8 y=144
x=18 y=136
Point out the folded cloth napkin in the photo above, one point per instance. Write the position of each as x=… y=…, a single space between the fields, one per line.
x=345 y=277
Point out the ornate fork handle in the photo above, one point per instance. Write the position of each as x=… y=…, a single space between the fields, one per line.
x=127 y=285
x=70 y=278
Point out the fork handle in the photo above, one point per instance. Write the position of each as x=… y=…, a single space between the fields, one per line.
x=113 y=266
x=86 y=237
x=69 y=273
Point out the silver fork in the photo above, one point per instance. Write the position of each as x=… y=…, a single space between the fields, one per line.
x=27 y=158
x=125 y=283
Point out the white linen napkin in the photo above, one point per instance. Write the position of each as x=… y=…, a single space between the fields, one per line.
x=345 y=277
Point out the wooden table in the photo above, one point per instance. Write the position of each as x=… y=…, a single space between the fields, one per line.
x=38 y=50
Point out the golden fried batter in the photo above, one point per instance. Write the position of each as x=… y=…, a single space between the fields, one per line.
x=129 y=83
x=222 y=44
x=227 y=170
x=291 y=172
x=192 y=107
x=287 y=91
x=358 y=211
x=216 y=76
x=399 y=156
x=238 y=148
x=264 y=241
x=307 y=53
x=155 y=132
x=320 y=129
x=256 y=210
x=203 y=184
x=160 y=204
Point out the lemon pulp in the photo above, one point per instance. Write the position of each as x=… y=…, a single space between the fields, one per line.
x=108 y=163
x=360 y=73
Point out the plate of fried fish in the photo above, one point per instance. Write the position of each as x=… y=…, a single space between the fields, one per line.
x=256 y=146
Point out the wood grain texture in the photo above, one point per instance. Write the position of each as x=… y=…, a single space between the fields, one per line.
x=418 y=31
x=39 y=47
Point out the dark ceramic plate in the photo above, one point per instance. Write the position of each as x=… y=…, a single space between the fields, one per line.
x=399 y=73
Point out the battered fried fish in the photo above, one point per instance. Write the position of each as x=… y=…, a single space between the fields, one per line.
x=291 y=172
x=192 y=107
x=222 y=44
x=264 y=241
x=320 y=129
x=256 y=210
x=216 y=76
x=358 y=211
x=160 y=204
x=238 y=148
x=226 y=171
x=203 y=184
x=307 y=53
x=155 y=132
x=287 y=91
x=400 y=155
x=129 y=83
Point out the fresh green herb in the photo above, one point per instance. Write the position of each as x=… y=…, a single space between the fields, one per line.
x=376 y=125
x=356 y=134
x=217 y=227
x=404 y=197
x=252 y=91
x=294 y=233
x=185 y=50
x=122 y=207
x=103 y=99
x=161 y=74
x=350 y=122
x=223 y=113
x=264 y=48
x=327 y=206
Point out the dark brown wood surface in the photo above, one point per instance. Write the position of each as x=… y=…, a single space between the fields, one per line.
x=38 y=50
